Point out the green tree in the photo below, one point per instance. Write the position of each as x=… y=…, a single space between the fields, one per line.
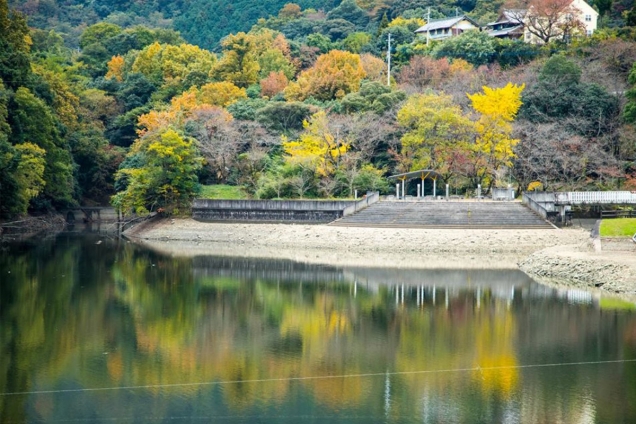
x=320 y=41
x=99 y=33
x=475 y=47
x=590 y=110
x=630 y=108
x=371 y=179
x=284 y=117
x=561 y=70
x=14 y=48
x=356 y=41
x=29 y=172
x=239 y=64
x=44 y=133
x=166 y=176
x=273 y=60
x=350 y=11
x=373 y=96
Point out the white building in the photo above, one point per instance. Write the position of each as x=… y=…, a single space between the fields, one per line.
x=441 y=29
x=578 y=17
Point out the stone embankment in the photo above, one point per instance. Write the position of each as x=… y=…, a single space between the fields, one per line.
x=608 y=264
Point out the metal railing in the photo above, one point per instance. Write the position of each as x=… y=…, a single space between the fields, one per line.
x=618 y=214
x=596 y=197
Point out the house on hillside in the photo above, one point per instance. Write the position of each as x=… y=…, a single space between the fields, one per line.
x=507 y=25
x=441 y=29
x=536 y=27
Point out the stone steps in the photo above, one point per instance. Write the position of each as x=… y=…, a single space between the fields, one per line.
x=442 y=214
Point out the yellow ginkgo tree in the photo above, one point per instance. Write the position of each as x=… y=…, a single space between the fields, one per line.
x=494 y=144
x=437 y=136
x=317 y=146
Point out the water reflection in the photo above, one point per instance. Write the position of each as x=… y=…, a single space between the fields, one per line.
x=216 y=338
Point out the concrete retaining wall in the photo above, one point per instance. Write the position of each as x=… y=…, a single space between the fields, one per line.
x=90 y=214
x=310 y=211
x=272 y=205
x=235 y=215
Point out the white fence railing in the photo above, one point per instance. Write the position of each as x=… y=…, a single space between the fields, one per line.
x=596 y=197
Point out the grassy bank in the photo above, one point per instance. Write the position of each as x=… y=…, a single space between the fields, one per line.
x=619 y=227
x=221 y=191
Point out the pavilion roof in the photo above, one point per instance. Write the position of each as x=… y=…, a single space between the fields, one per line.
x=422 y=173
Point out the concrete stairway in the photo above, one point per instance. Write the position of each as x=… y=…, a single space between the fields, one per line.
x=442 y=214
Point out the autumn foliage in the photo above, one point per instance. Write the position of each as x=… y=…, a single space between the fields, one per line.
x=116 y=68
x=333 y=76
x=222 y=93
x=275 y=83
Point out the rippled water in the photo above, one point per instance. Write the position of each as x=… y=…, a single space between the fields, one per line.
x=112 y=332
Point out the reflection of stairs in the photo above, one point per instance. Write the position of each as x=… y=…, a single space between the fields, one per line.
x=442 y=214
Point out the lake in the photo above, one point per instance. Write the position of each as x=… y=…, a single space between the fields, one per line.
x=98 y=330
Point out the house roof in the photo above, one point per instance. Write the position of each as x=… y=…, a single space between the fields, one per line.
x=504 y=31
x=445 y=23
x=509 y=16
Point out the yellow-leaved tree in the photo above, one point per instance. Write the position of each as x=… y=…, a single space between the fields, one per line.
x=30 y=172
x=222 y=94
x=334 y=75
x=170 y=65
x=438 y=134
x=317 y=146
x=116 y=68
x=239 y=63
x=494 y=145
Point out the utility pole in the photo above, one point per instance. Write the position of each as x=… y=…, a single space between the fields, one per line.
x=388 y=61
x=428 y=21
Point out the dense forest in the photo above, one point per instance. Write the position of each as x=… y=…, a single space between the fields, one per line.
x=140 y=103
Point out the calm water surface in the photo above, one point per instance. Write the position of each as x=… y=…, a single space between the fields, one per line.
x=112 y=332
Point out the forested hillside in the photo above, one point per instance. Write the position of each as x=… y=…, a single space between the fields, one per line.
x=97 y=108
x=205 y=22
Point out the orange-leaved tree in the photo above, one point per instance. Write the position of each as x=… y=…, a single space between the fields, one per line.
x=334 y=75
x=275 y=83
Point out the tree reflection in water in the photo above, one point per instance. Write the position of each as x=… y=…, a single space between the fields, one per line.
x=75 y=315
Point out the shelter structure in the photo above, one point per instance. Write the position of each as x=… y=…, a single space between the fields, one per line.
x=422 y=174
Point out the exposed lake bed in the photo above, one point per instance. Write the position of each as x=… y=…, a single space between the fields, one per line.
x=561 y=256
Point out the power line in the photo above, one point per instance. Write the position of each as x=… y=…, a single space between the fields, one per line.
x=323 y=377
